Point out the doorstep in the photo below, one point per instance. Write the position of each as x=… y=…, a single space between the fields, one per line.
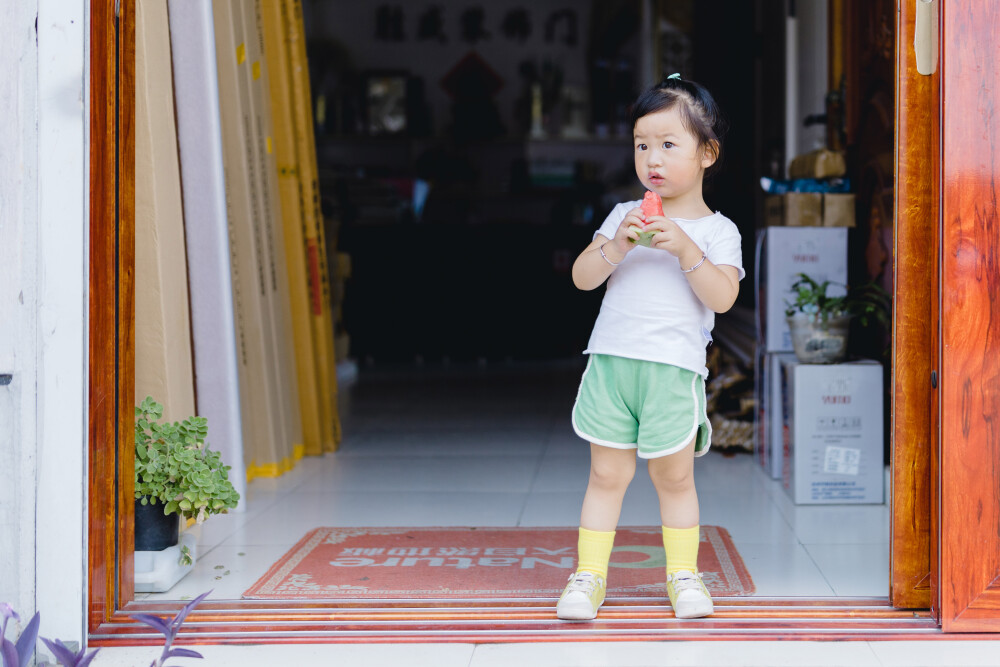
x=518 y=620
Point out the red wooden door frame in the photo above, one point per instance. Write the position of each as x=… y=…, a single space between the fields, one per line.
x=969 y=452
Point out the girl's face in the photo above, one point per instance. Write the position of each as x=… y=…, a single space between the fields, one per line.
x=669 y=160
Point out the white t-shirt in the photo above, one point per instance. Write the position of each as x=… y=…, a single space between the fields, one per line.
x=649 y=311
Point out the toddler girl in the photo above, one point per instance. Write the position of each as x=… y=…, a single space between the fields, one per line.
x=644 y=387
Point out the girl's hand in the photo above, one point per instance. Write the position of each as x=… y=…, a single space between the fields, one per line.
x=670 y=237
x=627 y=233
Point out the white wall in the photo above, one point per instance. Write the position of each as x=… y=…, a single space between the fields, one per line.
x=43 y=296
x=61 y=352
x=18 y=298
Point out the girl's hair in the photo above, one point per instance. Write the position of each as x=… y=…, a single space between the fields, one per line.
x=699 y=112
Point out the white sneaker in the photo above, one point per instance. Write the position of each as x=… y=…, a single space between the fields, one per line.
x=688 y=595
x=584 y=594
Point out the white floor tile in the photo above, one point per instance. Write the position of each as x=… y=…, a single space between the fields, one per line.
x=526 y=442
x=425 y=473
x=854 y=569
x=939 y=653
x=669 y=654
x=563 y=473
x=552 y=509
x=299 y=513
x=227 y=571
x=943 y=653
x=341 y=655
x=780 y=570
x=840 y=524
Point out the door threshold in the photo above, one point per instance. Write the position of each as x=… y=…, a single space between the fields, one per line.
x=518 y=620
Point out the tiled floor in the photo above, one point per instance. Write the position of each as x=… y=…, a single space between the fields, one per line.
x=493 y=447
x=630 y=654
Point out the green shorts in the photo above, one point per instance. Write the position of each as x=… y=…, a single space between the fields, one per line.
x=632 y=404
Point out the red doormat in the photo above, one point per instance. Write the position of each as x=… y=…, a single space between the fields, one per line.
x=462 y=563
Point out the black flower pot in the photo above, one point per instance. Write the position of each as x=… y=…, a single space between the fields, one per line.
x=154 y=530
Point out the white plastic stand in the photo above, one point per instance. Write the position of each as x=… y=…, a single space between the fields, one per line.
x=159 y=571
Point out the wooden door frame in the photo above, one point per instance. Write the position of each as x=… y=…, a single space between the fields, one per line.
x=111 y=389
x=916 y=235
x=967 y=559
x=112 y=372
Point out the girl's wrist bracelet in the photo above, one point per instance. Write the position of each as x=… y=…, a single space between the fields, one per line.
x=606 y=257
x=700 y=262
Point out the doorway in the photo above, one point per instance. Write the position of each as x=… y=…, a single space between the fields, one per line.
x=361 y=385
x=468 y=363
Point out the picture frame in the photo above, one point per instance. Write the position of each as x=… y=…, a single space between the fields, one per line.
x=386 y=102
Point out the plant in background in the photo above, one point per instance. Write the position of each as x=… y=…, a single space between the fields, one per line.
x=866 y=303
x=175 y=467
x=820 y=324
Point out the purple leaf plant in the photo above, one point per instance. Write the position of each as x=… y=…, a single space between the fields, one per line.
x=19 y=654
x=169 y=629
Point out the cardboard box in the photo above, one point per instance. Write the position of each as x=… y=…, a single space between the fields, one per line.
x=163 y=361
x=782 y=253
x=809 y=209
x=794 y=209
x=838 y=209
x=769 y=442
x=820 y=163
x=832 y=421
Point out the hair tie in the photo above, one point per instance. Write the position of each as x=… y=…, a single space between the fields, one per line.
x=675 y=75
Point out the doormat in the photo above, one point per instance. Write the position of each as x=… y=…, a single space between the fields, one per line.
x=463 y=563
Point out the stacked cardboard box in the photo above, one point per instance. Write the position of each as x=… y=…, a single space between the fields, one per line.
x=809 y=209
x=783 y=253
x=832 y=424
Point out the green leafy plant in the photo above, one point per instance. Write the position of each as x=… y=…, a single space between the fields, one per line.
x=867 y=303
x=174 y=466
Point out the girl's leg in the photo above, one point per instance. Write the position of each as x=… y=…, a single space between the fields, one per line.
x=611 y=470
x=673 y=477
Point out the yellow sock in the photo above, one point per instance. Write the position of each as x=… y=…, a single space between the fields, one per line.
x=681 y=545
x=595 y=551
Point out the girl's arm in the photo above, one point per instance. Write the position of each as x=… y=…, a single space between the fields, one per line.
x=715 y=286
x=591 y=268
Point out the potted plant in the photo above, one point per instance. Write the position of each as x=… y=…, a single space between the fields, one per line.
x=176 y=476
x=820 y=324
